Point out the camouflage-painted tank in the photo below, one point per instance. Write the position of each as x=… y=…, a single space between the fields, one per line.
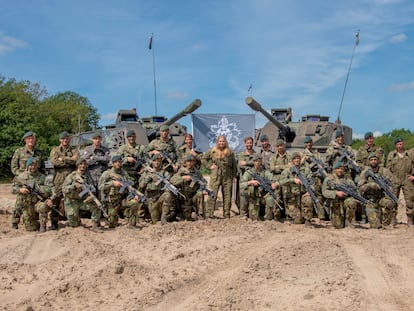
x=281 y=126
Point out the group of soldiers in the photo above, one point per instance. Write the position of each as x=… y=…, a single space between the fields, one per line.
x=162 y=182
x=342 y=187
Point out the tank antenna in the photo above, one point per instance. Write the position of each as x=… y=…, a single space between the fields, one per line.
x=250 y=89
x=150 y=46
x=338 y=120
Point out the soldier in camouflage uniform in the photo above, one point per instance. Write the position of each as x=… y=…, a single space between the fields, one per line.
x=194 y=197
x=34 y=206
x=18 y=165
x=310 y=157
x=221 y=161
x=63 y=158
x=72 y=188
x=159 y=202
x=278 y=163
x=265 y=150
x=401 y=163
x=382 y=210
x=188 y=149
x=97 y=157
x=244 y=162
x=367 y=149
x=256 y=195
x=110 y=185
x=299 y=205
x=167 y=146
x=342 y=207
x=131 y=153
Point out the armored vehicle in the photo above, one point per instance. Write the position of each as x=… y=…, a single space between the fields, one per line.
x=281 y=126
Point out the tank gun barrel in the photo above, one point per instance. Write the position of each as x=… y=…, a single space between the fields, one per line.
x=187 y=110
x=284 y=131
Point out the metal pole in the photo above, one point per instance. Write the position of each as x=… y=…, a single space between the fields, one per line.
x=153 y=71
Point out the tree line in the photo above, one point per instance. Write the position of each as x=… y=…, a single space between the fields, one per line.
x=28 y=106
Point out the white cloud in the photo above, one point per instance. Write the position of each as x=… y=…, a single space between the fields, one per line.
x=9 y=44
x=403 y=87
x=399 y=38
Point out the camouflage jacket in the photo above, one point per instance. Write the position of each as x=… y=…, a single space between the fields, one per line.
x=278 y=163
x=400 y=165
x=169 y=146
x=226 y=166
x=69 y=187
x=184 y=151
x=369 y=187
x=247 y=157
x=137 y=152
x=36 y=180
x=20 y=157
x=64 y=159
x=188 y=188
x=151 y=185
x=287 y=180
x=333 y=154
x=106 y=184
x=363 y=153
x=328 y=190
x=253 y=190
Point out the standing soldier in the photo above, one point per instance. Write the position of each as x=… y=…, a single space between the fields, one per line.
x=125 y=201
x=342 y=206
x=367 y=149
x=159 y=202
x=188 y=149
x=244 y=162
x=75 y=183
x=18 y=165
x=97 y=157
x=221 y=161
x=265 y=150
x=168 y=149
x=33 y=196
x=381 y=212
x=133 y=156
x=255 y=192
x=299 y=205
x=187 y=180
x=401 y=164
x=63 y=158
x=278 y=163
x=312 y=159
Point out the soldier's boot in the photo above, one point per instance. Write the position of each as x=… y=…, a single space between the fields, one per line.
x=363 y=219
x=164 y=217
x=54 y=225
x=15 y=226
x=410 y=220
x=349 y=224
x=42 y=227
x=308 y=223
x=393 y=221
x=96 y=225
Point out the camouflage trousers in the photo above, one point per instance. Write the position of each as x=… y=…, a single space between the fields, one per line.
x=342 y=210
x=299 y=207
x=73 y=208
x=254 y=204
x=160 y=207
x=129 y=208
x=380 y=212
x=33 y=214
x=226 y=186
x=195 y=203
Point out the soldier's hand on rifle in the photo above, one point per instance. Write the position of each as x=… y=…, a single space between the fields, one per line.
x=24 y=190
x=131 y=160
x=213 y=167
x=253 y=182
x=297 y=181
x=274 y=186
x=340 y=194
x=187 y=177
x=78 y=186
x=117 y=184
x=175 y=167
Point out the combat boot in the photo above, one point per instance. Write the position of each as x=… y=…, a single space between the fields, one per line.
x=410 y=222
x=42 y=227
x=349 y=224
x=308 y=223
x=54 y=225
x=163 y=219
x=15 y=226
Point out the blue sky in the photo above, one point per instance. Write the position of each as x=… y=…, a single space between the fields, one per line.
x=294 y=53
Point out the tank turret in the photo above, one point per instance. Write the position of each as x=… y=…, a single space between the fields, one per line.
x=176 y=130
x=280 y=125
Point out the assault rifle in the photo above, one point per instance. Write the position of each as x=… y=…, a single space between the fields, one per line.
x=88 y=191
x=132 y=192
x=351 y=191
x=202 y=182
x=34 y=189
x=384 y=183
x=166 y=182
x=139 y=162
x=320 y=166
x=266 y=186
x=167 y=156
x=307 y=184
x=350 y=162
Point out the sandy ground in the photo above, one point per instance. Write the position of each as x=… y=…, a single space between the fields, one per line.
x=205 y=265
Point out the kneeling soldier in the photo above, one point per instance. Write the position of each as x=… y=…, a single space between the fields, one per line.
x=32 y=196
x=73 y=186
x=119 y=194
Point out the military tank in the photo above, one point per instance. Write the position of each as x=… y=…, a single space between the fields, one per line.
x=281 y=126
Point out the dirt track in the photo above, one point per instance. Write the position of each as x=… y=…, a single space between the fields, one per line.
x=206 y=265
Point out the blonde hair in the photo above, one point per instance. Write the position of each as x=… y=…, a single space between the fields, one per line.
x=221 y=153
